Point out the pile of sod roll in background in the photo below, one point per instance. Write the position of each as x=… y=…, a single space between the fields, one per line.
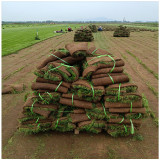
x=83 y=35
x=82 y=89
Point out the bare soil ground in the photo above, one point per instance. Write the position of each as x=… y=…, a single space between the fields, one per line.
x=19 y=68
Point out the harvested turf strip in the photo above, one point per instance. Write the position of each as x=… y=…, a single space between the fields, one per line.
x=78 y=49
x=121 y=89
x=85 y=88
x=47 y=86
x=55 y=55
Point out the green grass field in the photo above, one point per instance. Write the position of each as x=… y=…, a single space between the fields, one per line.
x=18 y=36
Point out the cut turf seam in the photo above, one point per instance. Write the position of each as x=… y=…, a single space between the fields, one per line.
x=19 y=69
x=144 y=65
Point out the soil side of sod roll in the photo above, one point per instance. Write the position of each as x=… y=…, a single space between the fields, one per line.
x=78 y=118
x=108 y=70
x=108 y=81
x=78 y=103
x=42 y=80
x=127 y=110
x=47 y=86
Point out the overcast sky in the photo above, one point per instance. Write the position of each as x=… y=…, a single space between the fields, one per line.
x=91 y=10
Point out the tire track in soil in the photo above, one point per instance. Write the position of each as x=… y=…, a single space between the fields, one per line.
x=151 y=61
x=145 y=39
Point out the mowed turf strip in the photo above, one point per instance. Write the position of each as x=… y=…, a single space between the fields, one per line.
x=84 y=145
x=15 y=38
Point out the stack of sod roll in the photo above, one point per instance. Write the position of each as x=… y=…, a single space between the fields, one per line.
x=83 y=35
x=121 y=31
x=93 y=28
x=82 y=89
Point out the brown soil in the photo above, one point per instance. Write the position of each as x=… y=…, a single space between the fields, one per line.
x=67 y=145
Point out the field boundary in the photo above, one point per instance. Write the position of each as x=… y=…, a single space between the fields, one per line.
x=31 y=45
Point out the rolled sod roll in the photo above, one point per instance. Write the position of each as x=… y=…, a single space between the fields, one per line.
x=106 y=75
x=97 y=123
x=33 y=121
x=41 y=109
x=107 y=60
x=85 y=88
x=30 y=102
x=127 y=110
x=134 y=115
x=79 y=111
x=93 y=64
x=34 y=127
x=121 y=89
x=69 y=73
x=107 y=70
x=94 y=126
x=116 y=130
x=78 y=103
x=55 y=55
x=76 y=97
x=42 y=80
x=46 y=97
x=48 y=86
x=95 y=51
x=77 y=49
x=70 y=60
x=108 y=80
x=13 y=88
x=63 y=124
x=48 y=75
x=136 y=122
x=130 y=100
x=137 y=104
x=78 y=118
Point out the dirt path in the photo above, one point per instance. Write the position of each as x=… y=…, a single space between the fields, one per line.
x=19 y=68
